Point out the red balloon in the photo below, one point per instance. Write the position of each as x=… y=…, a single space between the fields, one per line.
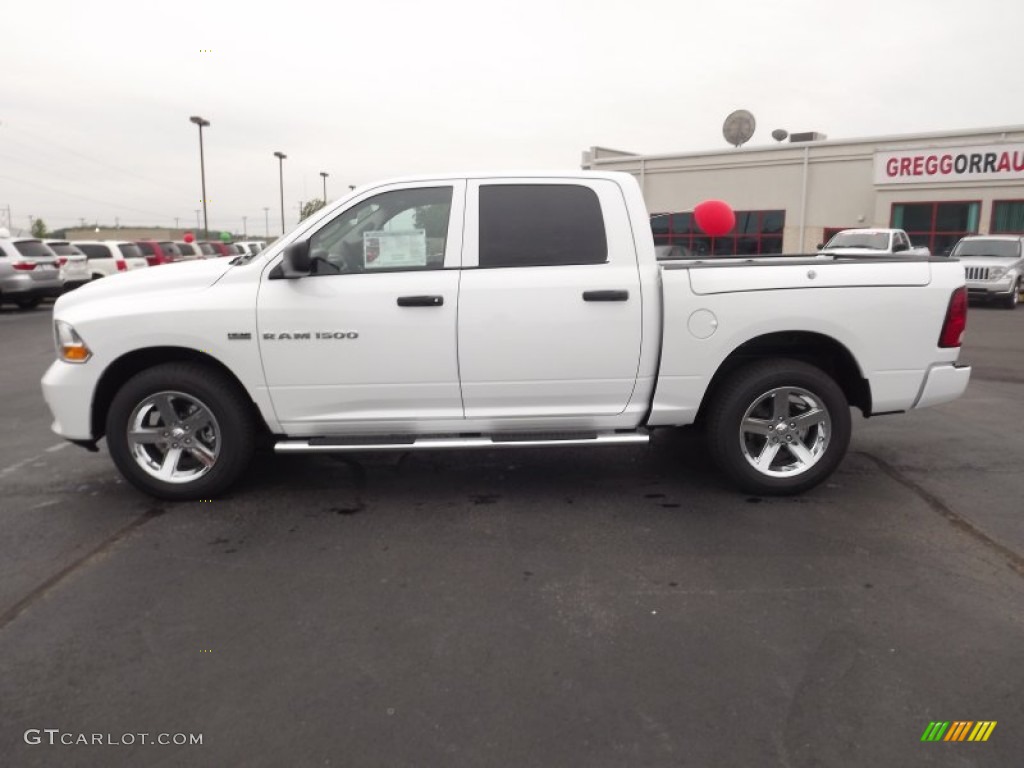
x=189 y=237
x=714 y=217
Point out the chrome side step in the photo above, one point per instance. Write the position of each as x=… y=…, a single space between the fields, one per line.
x=323 y=445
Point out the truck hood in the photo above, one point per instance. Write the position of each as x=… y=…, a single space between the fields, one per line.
x=854 y=252
x=989 y=261
x=179 y=276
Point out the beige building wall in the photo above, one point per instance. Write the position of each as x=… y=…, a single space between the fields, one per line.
x=820 y=184
x=127 y=233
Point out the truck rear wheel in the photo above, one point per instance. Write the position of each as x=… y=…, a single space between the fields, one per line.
x=778 y=427
x=180 y=431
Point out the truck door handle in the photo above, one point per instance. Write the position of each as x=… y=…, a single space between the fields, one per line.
x=606 y=295
x=420 y=301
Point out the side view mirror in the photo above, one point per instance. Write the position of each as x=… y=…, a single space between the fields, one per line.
x=819 y=246
x=296 y=262
x=900 y=247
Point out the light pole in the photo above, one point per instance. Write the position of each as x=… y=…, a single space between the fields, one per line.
x=245 y=229
x=197 y=221
x=280 y=162
x=202 y=170
x=324 y=175
x=266 y=221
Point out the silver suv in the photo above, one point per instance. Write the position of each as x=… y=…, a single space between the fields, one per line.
x=29 y=271
x=993 y=266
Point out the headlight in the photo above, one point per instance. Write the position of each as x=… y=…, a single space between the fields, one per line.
x=70 y=347
x=996 y=272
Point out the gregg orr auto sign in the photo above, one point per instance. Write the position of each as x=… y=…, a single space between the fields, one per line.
x=939 y=164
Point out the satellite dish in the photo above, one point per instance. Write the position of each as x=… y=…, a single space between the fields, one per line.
x=780 y=134
x=738 y=127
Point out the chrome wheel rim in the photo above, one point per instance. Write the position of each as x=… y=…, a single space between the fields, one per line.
x=174 y=437
x=785 y=432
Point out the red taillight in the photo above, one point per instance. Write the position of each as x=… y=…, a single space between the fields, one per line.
x=121 y=266
x=62 y=260
x=24 y=266
x=956 y=319
x=152 y=260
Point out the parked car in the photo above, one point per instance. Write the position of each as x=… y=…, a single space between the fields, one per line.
x=108 y=257
x=74 y=266
x=553 y=325
x=871 y=242
x=189 y=251
x=218 y=248
x=251 y=246
x=157 y=252
x=670 y=252
x=993 y=266
x=207 y=249
x=29 y=271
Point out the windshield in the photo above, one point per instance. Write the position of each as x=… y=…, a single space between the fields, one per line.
x=34 y=249
x=876 y=241
x=967 y=249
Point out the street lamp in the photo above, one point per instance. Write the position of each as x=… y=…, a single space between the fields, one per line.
x=266 y=221
x=324 y=174
x=280 y=161
x=245 y=228
x=202 y=170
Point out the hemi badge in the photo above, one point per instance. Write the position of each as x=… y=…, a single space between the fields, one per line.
x=239 y=337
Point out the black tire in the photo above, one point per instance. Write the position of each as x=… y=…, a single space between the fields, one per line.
x=1011 y=301
x=29 y=303
x=824 y=441
x=216 y=457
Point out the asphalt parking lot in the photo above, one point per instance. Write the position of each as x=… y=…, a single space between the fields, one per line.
x=618 y=607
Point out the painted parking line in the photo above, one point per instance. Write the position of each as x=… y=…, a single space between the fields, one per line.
x=15 y=467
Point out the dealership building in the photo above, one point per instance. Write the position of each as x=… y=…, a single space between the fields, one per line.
x=788 y=197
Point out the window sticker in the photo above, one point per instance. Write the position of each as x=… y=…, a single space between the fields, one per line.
x=395 y=250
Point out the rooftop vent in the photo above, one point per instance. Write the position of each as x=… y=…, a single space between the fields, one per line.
x=806 y=136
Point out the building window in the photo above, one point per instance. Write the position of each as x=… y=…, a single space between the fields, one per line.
x=756 y=232
x=1007 y=217
x=936 y=225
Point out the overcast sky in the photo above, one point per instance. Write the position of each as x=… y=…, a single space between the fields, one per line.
x=95 y=96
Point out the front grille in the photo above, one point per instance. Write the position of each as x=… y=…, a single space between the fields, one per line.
x=976 y=273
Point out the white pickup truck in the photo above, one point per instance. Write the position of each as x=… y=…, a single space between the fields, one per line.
x=871 y=242
x=494 y=311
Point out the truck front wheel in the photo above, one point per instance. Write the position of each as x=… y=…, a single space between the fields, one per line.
x=1011 y=301
x=778 y=427
x=180 y=431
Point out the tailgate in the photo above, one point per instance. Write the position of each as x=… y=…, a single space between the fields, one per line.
x=731 y=278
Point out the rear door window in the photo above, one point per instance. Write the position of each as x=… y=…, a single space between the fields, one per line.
x=146 y=248
x=34 y=249
x=534 y=225
x=130 y=251
x=95 y=251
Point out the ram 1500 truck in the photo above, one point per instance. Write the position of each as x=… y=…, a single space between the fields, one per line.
x=494 y=311
x=872 y=242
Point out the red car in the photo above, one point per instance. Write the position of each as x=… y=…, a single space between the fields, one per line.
x=157 y=253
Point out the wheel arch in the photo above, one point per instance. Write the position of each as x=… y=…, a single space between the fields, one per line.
x=816 y=349
x=136 y=361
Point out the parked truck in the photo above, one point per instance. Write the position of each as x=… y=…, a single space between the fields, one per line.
x=496 y=311
x=871 y=242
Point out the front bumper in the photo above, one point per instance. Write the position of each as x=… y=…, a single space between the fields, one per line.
x=943 y=383
x=991 y=289
x=68 y=390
